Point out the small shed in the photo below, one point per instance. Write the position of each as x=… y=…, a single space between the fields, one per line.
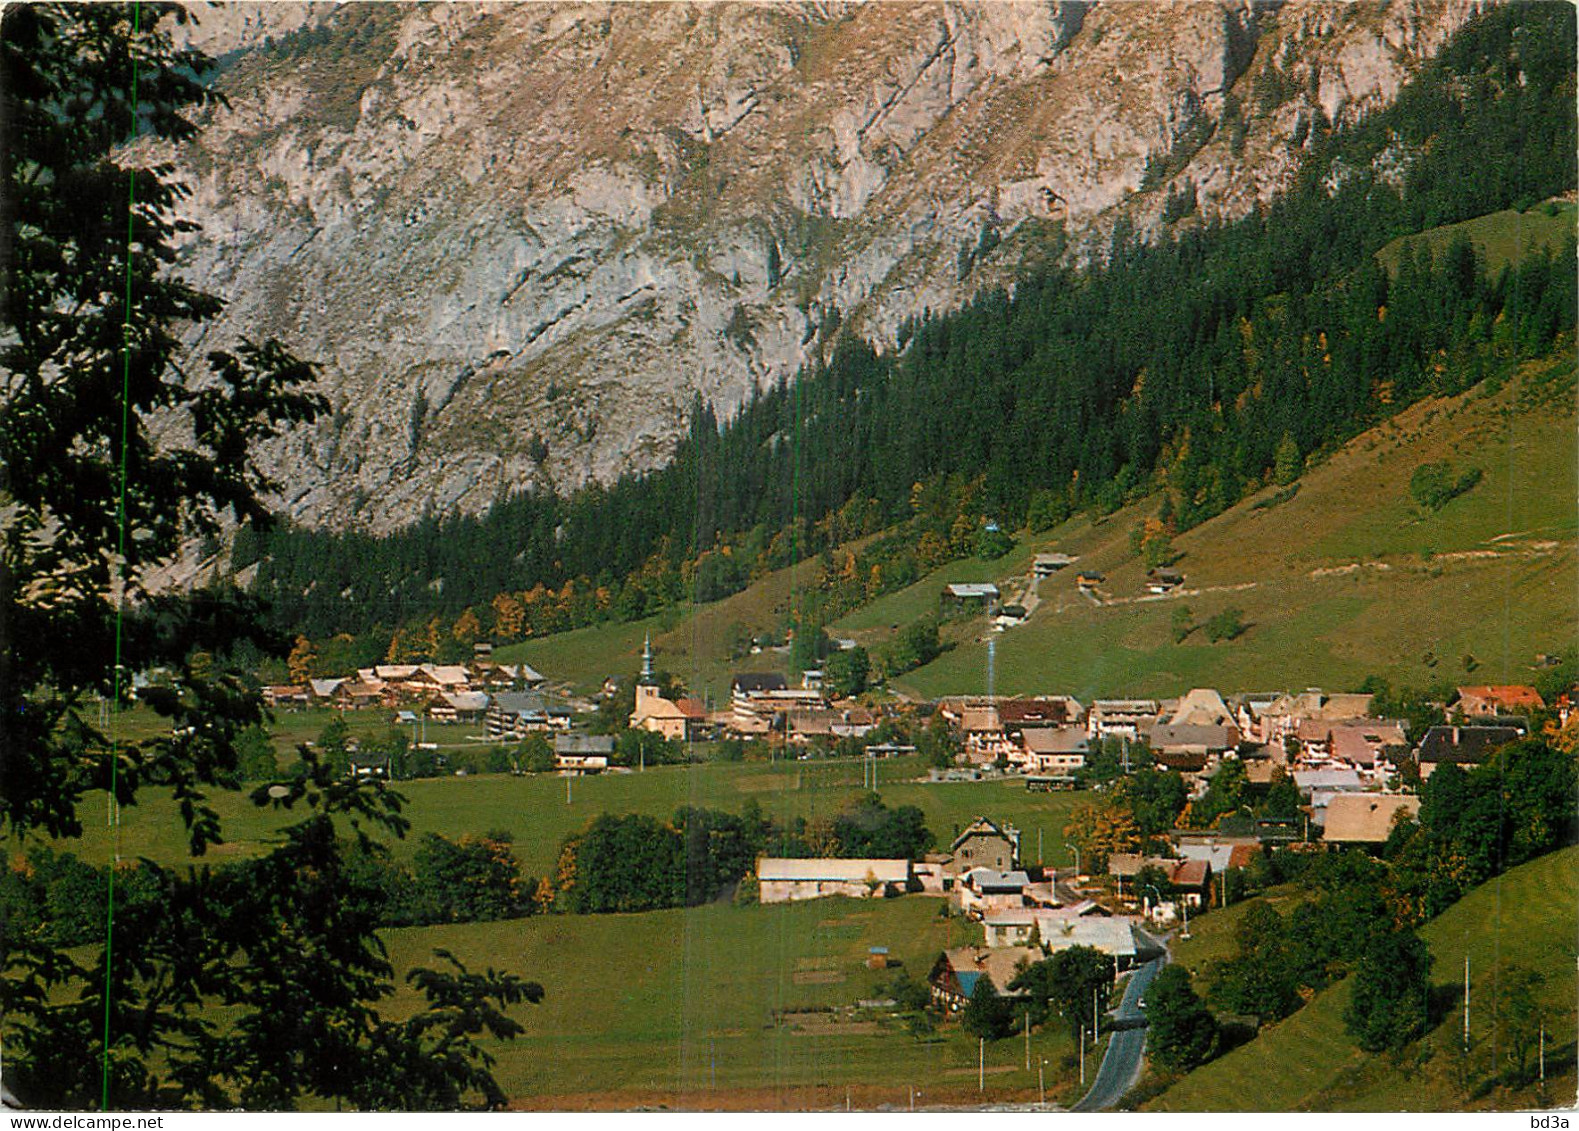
x=970 y=596
x=1045 y=565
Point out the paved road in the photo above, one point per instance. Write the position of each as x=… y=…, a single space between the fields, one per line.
x=1121 y=1064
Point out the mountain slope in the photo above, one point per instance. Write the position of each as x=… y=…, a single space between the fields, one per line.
x=1524 y=917
x=521 y=238
x=1346 y=579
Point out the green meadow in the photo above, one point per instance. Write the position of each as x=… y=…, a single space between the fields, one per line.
x=1501 y=237
x=1331 y=590
x=539 y=811
x=688 y=1009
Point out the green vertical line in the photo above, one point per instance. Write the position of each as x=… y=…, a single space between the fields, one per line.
x=120 y=601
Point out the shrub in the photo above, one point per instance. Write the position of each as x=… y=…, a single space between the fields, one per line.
x=1226 y=625
x=1434 y=485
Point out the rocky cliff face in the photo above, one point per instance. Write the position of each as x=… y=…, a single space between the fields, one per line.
x=521 y=239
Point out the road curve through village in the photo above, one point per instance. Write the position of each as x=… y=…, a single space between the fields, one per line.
x=1121 y=1064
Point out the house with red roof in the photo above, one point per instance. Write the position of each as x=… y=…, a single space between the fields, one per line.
x=1496 y=700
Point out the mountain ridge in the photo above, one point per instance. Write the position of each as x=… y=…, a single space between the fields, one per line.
x=522 y=240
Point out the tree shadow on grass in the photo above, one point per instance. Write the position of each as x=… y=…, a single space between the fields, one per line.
x=1442 y=1002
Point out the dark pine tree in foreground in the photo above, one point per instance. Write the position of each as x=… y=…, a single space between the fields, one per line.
x=255 y=985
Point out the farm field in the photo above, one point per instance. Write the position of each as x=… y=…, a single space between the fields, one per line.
x=534 y=810
x=1308 y=1062
x=678 y=1009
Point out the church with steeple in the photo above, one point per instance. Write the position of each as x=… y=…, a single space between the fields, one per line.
x=680 y=719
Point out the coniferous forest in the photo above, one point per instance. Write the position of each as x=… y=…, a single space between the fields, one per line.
x=1185 y=363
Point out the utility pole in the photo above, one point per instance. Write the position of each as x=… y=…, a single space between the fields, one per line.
x=1041 y=1080
x=1466 y=1003
x=1096 y=1017
x=1027 y=1038
x=981 y=1067
x=568 y=779
x=1543 y=1053
x=1082 y=1056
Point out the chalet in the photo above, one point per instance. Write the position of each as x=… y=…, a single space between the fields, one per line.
x=514 y=714
x=968 y=596
x=1367 y=743
x=1121 y=718
x=985 y=739
x=1281 y=718
x=434 y=679
x=364 y=766
x=955 y=973
x=354 y=694
x=583 y=753
x=1042 y=711
x=1025 y=926
x=1203 y=707
x=1315 y=740
x=762 y=712
x=1366 y=818
x=460 y=706
x=1202 y=739
x=1009 y=616
x=1045 y=565
x=286 y=695
x=1486 y=702
x=985 y=844
x=1115 y=937
x=752 y=685
x=322 y=690
x=1248 y=710
x=1055 y=751
x=1163 y=580
x=783 y=880
x=1190 y=764
x=1191 y=879
x=1328 y=781
x=811 y=679
x=1220 y=854
x=805 y=727
x=984 y=890
x=1465 y=746
x=507 y=677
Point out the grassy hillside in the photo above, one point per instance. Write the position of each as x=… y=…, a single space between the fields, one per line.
x=535 y=811
x=693 y=644
x=677 y=1008
x=1525 y=917
x=1345 y=579
x=1502 y=237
